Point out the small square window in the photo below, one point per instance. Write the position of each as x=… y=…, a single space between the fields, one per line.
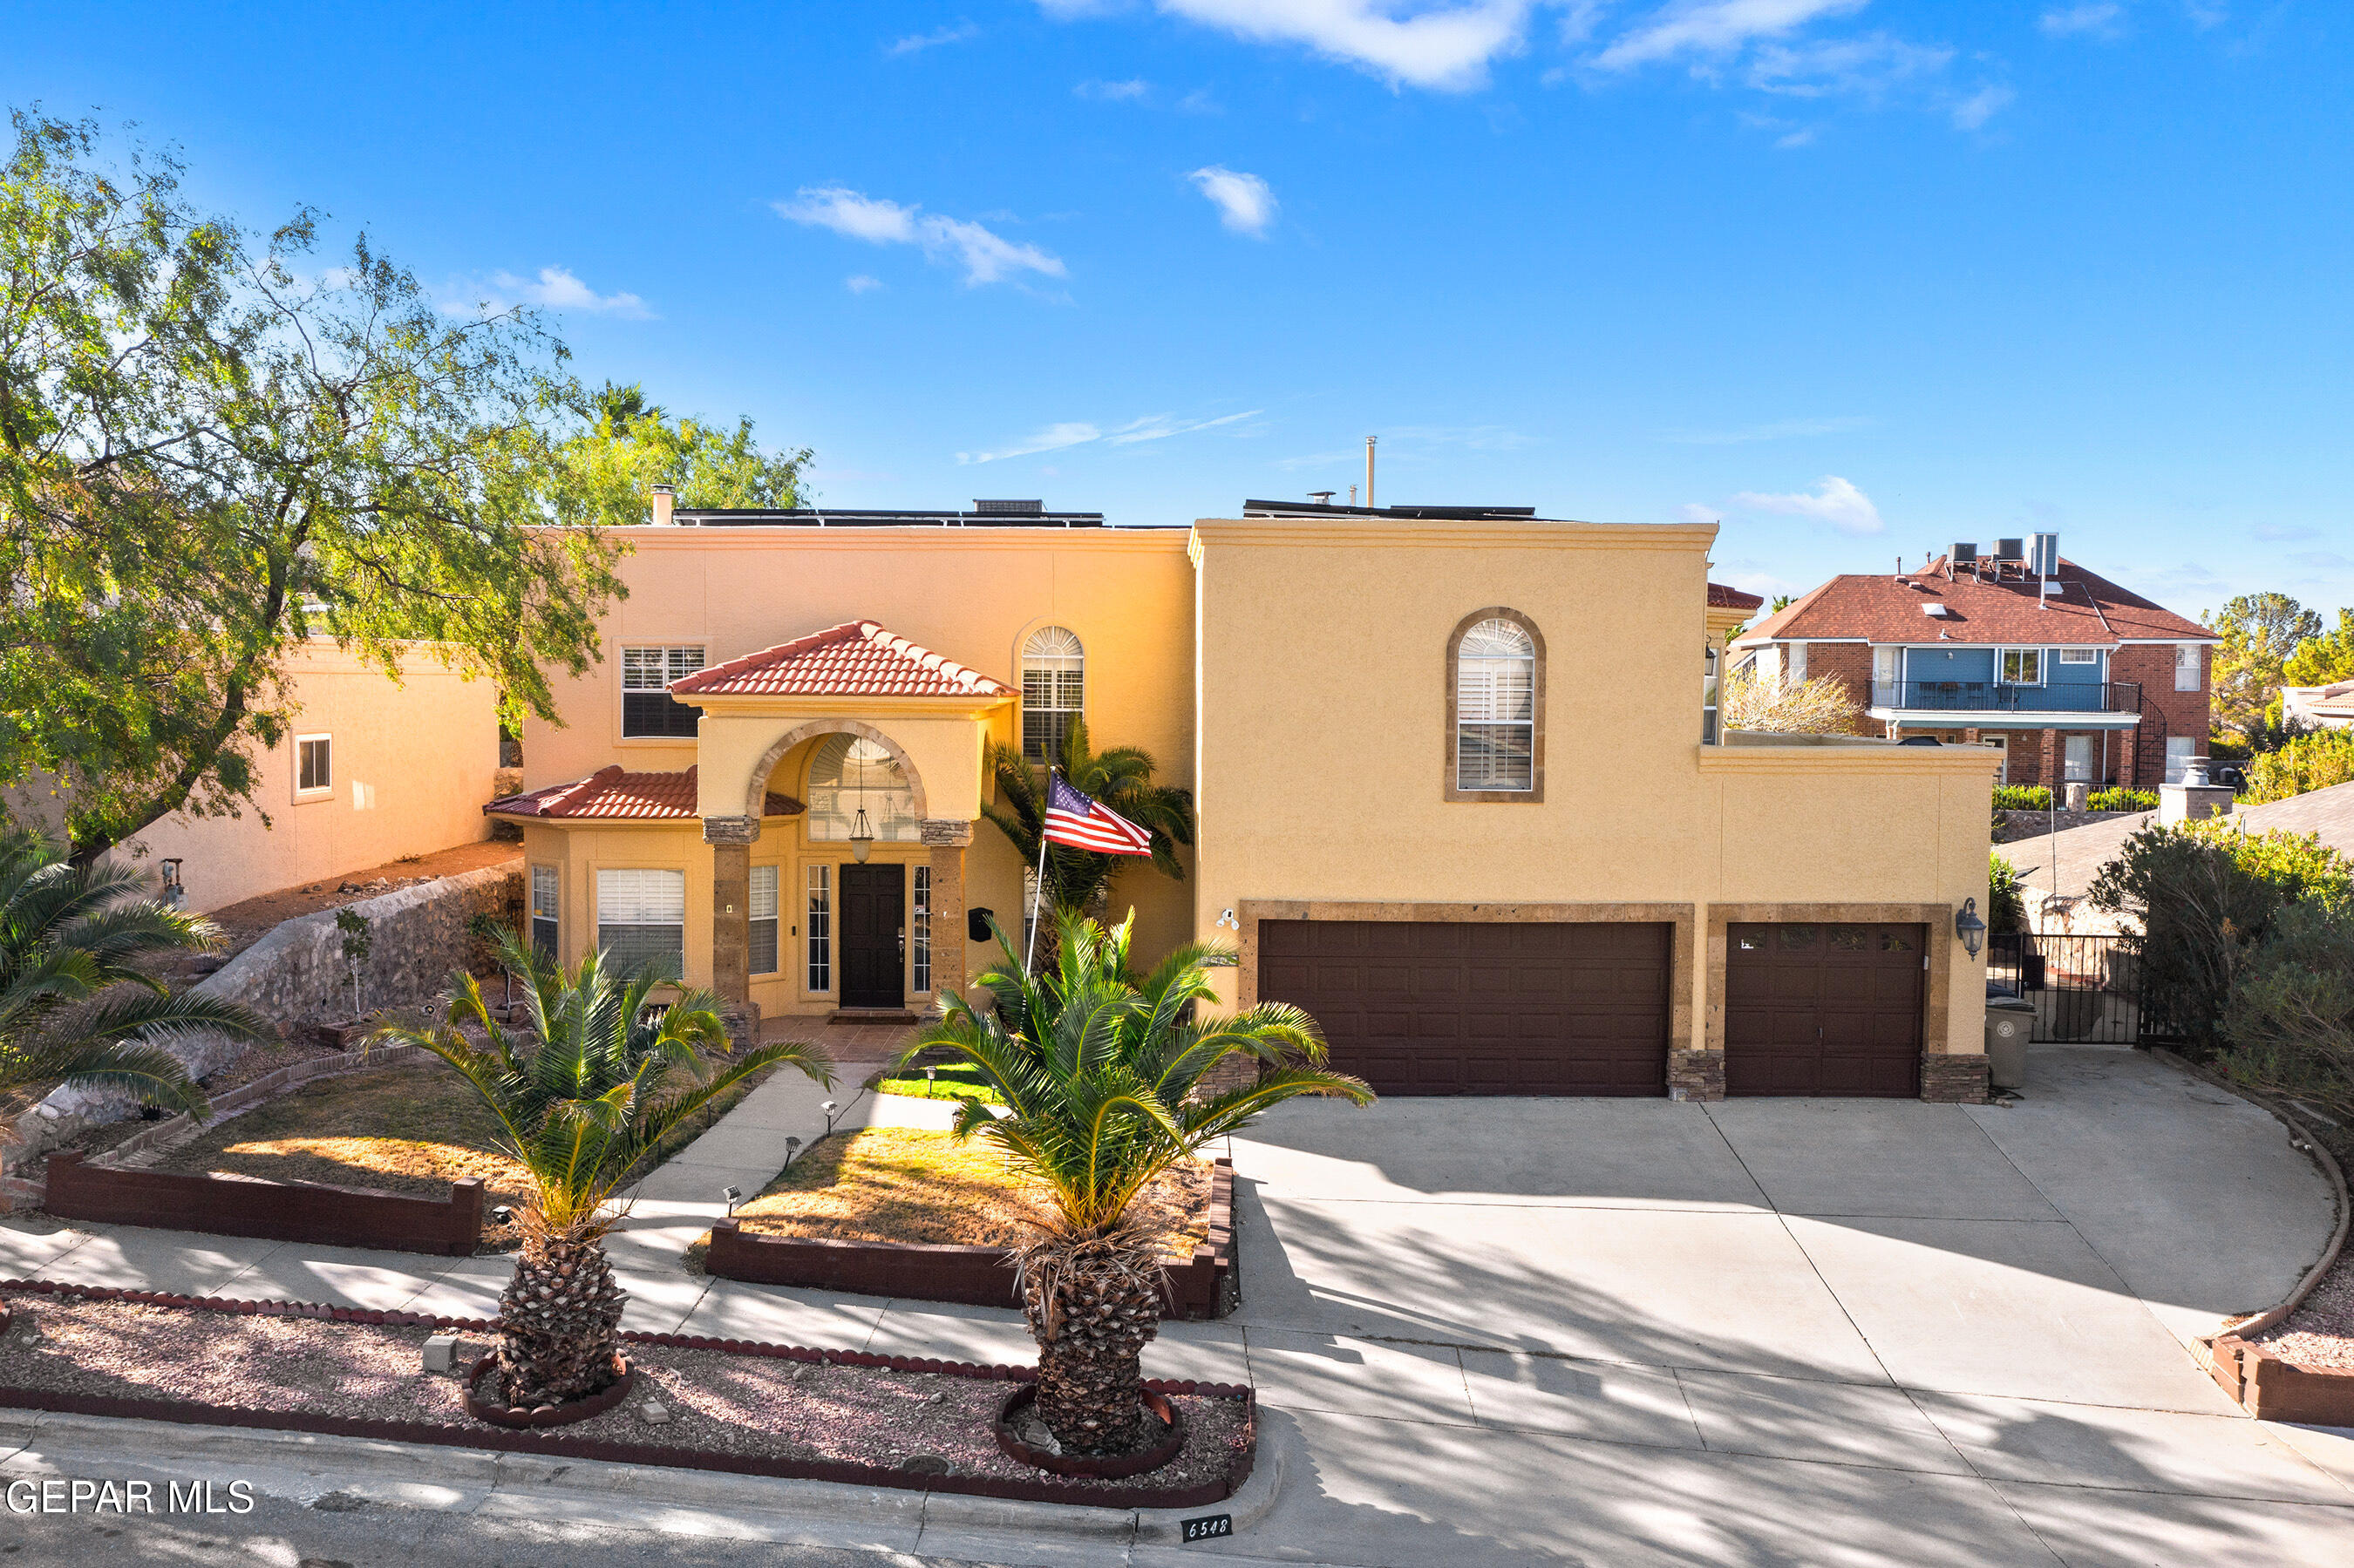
x=648 y=710
x=2022 y=666
x=315 y=764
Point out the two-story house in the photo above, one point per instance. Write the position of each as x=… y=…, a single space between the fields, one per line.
x=774 y=782
x=2071 y=677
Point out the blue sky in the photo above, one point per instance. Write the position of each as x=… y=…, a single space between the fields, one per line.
x=1857 y=277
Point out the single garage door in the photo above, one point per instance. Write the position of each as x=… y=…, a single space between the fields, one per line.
x=1468 y=1008
x=1823 y=1009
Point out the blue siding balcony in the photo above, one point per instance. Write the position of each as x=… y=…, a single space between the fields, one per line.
x=1965 y=697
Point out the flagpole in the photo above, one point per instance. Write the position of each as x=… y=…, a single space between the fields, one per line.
x=1038 y=911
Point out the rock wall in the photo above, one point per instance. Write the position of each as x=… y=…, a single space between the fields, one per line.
x=2012 y=826
x=296 y=976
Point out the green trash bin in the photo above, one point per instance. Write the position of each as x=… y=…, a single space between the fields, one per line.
x=2009 y=1024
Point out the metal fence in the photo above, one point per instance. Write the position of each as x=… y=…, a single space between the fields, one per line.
x=2085 y=990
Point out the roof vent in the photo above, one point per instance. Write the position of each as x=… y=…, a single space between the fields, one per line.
x=1935 y=607
x=1011 y=508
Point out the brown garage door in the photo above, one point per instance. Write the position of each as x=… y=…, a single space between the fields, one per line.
x=1466 y=1007
x=1823 y=1010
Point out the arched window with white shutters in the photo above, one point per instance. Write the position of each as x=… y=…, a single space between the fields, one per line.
x=1495 y=698
x=1054 y=691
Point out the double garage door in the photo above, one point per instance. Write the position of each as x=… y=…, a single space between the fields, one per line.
x=1581 y=1008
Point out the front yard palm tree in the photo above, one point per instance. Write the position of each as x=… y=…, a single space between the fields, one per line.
x=75 y=1004
x=613 y=1072
x=1108 y=1081
x=1121 y=779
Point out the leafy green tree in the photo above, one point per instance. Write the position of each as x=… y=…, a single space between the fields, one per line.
x=2313 y=760
x=2258 y=633
x=1121 y=779
x=612 y=1074
x=213 y=448
x=77 y=1003
x=2006 y=896
x=609 y=469
x=1108 y=1077
x=2326 y=659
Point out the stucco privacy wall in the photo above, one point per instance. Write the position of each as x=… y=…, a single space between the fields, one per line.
x=411 y=764
x=1329 y=640
x=296 y=976
x=972 y=595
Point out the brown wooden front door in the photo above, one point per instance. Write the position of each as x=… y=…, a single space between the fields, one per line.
x=874 y=916
x=1480 y=1008
x=1824 y=1008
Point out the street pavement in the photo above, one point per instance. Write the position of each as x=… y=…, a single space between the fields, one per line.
x=1492 y=1331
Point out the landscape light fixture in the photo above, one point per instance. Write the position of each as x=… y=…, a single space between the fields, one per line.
x=1970 y=928
x=502 y=1213
x=931 y=1077
x=829 y=1107
x=728 y=1195
x=792 y=1146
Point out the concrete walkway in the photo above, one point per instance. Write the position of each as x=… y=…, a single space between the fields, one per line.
x=1624 y=1332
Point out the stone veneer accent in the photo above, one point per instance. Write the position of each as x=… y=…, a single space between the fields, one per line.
x=1695 y=1075
x=946 y=838
x=1954 y=1080
x=731 y=839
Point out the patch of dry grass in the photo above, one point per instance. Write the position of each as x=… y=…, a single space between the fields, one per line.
x=904 y=1185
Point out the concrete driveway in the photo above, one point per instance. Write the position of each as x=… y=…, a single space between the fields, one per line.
x=1784 y=1330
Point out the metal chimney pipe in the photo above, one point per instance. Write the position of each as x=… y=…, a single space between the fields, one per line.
x=1368 y=469
x=664 y=498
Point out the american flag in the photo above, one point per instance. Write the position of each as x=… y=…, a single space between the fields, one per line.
x=1073 y=819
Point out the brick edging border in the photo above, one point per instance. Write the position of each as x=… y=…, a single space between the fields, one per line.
x=969 y=1276
x=558 y=1444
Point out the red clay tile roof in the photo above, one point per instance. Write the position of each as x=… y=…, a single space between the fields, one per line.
x=1722 y=598
x=2083 y=611
x=611 y=794
x=856 y=659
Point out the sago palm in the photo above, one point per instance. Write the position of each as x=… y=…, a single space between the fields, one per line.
x=76 y=1005
x=1121 y=779
x=1107 y=1078
x=614 y=1071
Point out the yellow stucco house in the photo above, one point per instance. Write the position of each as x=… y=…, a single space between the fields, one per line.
x=1456 y=792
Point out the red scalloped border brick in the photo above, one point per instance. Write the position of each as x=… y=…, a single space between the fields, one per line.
x=519 y=1417
x=1118 y=1467
x=470 y=1434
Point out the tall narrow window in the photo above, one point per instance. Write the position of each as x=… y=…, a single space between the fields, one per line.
x=1054 y=691
x=764 y=920
x=922 y=980
x=2186 y=666
x=1495 y=709
x=821 y=927
x=648 y=710
x=315 y=764
x=642 y=919
x=544 y=926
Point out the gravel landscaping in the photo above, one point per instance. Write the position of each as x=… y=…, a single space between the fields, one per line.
x=704 y=1402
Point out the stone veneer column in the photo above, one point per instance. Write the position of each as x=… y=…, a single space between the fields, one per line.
x=731 y=839
x=946 y=837
x=1958 y=1079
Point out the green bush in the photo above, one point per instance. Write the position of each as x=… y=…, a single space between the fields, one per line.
x=2314 y=760
x=2208 y=894
x=2289 y=1026
x=2021 y=798
x=2122 y=799
x=2006 y=903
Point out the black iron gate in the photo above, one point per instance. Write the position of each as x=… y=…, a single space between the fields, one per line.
x=2085 y=990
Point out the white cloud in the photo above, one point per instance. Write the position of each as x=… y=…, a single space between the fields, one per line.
x=1693 y=512
x=1159 y=426
x=1053 y=439
x=1981 y=106
x=1779 y=429
x=915 y=42
x=1833 y=500
x=1245 y=202
x=860 y=282
x=1715 y=27
x=2323 y=561
x=1130 y=91
x=2100 y=19
x=986 y=256
x=1079 y=433
x=2283 y=533
x=1445 y=46
x=555 y=288
x=1864 y=66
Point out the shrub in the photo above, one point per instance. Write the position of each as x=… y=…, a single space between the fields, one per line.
x=2021 y=798
x=2208 y=894
x=2289 y=1026
x=2005 y=902
x=1820 y=706
x=2314 y=760
x=2122 y=799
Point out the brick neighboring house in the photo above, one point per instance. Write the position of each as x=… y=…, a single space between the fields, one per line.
x=2072 y=676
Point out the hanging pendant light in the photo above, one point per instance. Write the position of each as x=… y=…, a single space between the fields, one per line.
x=862 y=831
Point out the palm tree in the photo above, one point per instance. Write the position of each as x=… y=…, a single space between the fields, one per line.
x=76 y=1004
x=1105 y=1080
x=1121 y=779
x=613 y=1072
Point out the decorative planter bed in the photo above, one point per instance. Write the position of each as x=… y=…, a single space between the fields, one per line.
x=2272 y=1389
x=276 y=1211
x=749 y=1408
x=1199 y=1286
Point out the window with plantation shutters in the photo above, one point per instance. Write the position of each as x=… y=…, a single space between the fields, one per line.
x=543 y=915
x=642 y=919
x=648 y=710
x=1053 y=690
x=1495 y=708
x=764 y=920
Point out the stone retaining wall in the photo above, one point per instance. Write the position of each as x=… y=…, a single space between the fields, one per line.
x=2009 y=827
x=276 y=1211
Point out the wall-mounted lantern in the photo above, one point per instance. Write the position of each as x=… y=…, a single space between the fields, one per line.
x=1970 y=928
